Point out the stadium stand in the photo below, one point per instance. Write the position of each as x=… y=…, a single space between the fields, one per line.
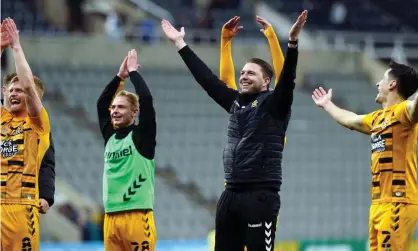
x=406 y=12
x=28 y=17
x=360 y=15
x=205 y=15
x=325 y=192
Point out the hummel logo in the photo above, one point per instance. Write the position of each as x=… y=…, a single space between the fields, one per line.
x=268 y=241
x=255 y=225
x=267 y=233
x=268 y=225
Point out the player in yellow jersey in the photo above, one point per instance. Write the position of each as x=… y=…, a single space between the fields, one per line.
x=25 y=132
x=394 y=131
x=46 y=177
x=229 y=31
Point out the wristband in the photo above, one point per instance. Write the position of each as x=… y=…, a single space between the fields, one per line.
x=293 y=42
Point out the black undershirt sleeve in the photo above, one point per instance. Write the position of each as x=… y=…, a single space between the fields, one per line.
x=144 y=134
x=282 y=97
x=46 y=177
x=215 y=88
x=103 y=104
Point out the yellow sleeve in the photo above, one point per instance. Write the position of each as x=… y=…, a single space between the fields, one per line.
x=401 y=113
x=276 y=52
x=121 y=85
x=5 y=115
x=40 y=124
x=368 y=120
x=227 y=71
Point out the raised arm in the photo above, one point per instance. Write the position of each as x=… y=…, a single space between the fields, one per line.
x=4 y=38
x=215 y=88
x=105 y=101
x=227 y=70
x=345 y=118
x=275 y=50
x=412 y=109
x=24 y=73
x=144 y=134
x=282 y=97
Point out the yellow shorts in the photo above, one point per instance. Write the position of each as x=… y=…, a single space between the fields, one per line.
x=392 y=226
x=19 y=228
x=131 y=230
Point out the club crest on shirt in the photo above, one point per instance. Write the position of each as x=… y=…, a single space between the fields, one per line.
x=254 y=103
x=384 y=124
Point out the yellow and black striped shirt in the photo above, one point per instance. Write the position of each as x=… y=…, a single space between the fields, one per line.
x=394 y=155
x=24 y=142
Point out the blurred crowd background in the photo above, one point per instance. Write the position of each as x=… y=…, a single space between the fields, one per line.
x=76 y=46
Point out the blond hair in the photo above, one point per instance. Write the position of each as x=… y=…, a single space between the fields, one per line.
x=131 y=97
x=11 y=78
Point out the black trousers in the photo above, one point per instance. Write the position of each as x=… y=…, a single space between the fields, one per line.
x=246 y=218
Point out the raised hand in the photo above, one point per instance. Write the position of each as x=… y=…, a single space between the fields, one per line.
x=4 y=37
x=12 y=32
x=263 y=22
x=232 y=27
x=132 y=61
x=171 y=33
x=297 y=27
x=321 y=97
x=123 y=69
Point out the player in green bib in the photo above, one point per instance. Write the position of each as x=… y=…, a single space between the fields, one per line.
x=128 y=177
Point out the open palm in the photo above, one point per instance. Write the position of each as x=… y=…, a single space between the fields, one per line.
x=12 y=31
x=321 y=97
x=297 y=27
x=263 y=22
x=4 y=37
x=170 y=32
x=231 y=27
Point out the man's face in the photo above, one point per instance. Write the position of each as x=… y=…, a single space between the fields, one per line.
x=384 y=87
x=122 y=112
x=15 y=96
x=252 y=79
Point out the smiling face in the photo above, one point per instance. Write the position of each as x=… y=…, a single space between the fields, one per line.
x=14 y=93
x=255 y=76
x=124 y=109
x=15 y=96
x=122 y=113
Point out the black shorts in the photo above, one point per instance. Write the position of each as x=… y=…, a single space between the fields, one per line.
x=246 y=218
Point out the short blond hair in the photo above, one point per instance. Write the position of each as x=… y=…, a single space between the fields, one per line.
x=12 y=77
x=131 y=97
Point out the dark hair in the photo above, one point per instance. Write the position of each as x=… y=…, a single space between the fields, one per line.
x=265 y=67
x=406 y=78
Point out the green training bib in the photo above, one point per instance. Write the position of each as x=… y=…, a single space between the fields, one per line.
x=128 y=177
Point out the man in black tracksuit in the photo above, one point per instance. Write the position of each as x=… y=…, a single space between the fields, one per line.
x=248 y=208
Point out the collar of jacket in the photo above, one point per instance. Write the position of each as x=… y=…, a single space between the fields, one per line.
x=246 y=98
